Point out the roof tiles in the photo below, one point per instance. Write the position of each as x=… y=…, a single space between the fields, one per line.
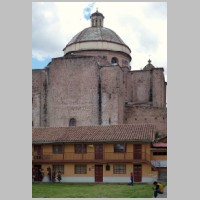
x=111 y=133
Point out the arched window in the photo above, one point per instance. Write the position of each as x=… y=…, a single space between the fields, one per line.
x=72 y=122
x=114 y=60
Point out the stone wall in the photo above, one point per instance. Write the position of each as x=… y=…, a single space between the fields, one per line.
x=147 y=86
x=112 y=88
x=94 y=92
x=159 y=90
x=38 y=97
x=141 y=86
x=73 y=91
x=124 y=59
x=142 y=114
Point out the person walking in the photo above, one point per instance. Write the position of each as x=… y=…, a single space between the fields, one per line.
x=49 y=173
x=131 y=177
x=158 y=189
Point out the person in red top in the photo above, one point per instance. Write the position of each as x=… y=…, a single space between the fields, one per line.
x=158 y=188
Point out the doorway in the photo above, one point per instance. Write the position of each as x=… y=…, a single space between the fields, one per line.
x=98 y=151
x=137 y=149
x=137 y=172
x=98 y=173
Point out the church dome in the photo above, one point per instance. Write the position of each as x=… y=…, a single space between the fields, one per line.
x=96 y=37
x=96 y=34
x=149 y=66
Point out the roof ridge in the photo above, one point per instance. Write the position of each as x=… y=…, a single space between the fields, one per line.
x=101 y=126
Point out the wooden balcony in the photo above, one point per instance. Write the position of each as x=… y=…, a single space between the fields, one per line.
x=71 y=157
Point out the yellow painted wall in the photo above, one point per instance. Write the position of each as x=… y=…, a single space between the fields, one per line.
x=129 y=169
x=159 y=157
x=90 y=147
x=69 y=167
x=69 y=170
x=47 y=148
x=147 y=171
x=69 y=153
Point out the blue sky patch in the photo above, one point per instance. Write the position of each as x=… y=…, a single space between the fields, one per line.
x=87 y=10
x=36 y=64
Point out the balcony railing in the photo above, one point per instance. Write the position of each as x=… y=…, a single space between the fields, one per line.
x=87 y=157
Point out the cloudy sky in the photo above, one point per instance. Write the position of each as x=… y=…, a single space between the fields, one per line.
x=142 y=26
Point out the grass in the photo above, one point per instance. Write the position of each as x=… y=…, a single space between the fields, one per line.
x=91 y=190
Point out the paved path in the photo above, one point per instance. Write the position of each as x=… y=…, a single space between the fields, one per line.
x=163 y=195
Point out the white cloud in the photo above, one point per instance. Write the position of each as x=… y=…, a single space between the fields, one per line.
x=142 y=26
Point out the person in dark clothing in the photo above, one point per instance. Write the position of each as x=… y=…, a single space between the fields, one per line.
x=54 y=176
x=49 y=173
x=59 y=176
x=131 y=177
x=158 y=188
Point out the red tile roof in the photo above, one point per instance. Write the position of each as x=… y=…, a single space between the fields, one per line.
x=159 y=144
x=111 y=133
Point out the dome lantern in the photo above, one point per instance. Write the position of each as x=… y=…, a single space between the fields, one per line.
x=149 y=66
x=97 y=19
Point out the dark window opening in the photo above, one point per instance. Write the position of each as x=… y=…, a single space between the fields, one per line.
x=72 y=122
x=119 y=148
x=80 y=148
x=107 y=167
x=58 y=148
x=160 y=153
x=114 y=60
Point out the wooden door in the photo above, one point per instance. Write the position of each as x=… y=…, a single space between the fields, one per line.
x=37 y=151
x=137 y=149
x=98 y=173
x=98 y=151
x=137 y=172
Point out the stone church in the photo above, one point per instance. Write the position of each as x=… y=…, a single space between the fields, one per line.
x=92 y=84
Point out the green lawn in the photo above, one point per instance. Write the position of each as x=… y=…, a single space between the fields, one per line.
x=67 y=190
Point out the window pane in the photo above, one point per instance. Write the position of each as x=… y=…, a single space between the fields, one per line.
x=80 y=169
x=58 y=168
x=119 y=169
x=80 y=148
x=57 y=148
x=119 y=148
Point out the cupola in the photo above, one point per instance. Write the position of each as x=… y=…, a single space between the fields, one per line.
x=97 y=19
x=149 y=66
